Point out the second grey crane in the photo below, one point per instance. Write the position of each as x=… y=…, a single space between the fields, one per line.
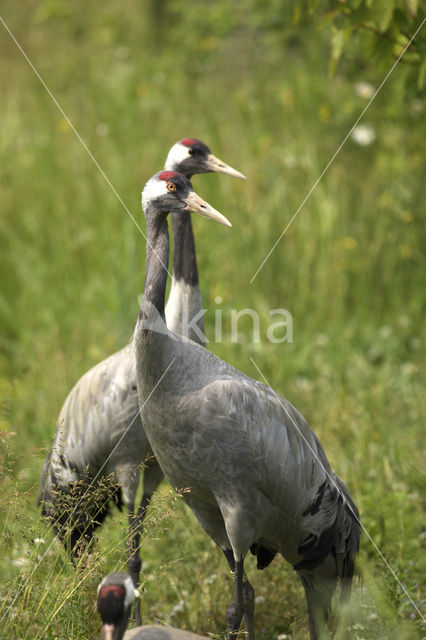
x=100 y=443
x=243 y=458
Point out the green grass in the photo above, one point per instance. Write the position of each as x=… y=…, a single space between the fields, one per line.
x=349 y=269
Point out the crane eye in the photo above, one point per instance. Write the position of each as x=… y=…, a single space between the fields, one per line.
x=190 y=151
x=170 y=186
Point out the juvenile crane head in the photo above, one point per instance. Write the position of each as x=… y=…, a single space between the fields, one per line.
x=116 y=593
x=170 y=192
x=191 y=156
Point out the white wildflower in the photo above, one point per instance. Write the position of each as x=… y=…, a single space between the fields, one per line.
x=259 y=599
x=364 y=90
x=363 y=134
x=178 y=608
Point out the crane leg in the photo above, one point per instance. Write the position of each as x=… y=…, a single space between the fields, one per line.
x=243 y=600
x=134 y=562
x=318 y=604
x=152 y=478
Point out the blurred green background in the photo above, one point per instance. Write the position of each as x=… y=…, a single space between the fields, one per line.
x=252 y=80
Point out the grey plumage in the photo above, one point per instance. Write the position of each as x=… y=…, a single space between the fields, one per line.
x=100 y=443
x=245 y=460
x=99 y=435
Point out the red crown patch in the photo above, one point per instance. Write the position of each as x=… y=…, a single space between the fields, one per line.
x=116 y=589
x=188 y=142
x=168 y=175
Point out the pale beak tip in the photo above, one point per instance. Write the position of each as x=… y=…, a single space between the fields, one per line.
x=216 y=165
x=221 y=218
x=237 y=174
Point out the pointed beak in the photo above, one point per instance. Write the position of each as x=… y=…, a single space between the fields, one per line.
x=195 y=204
x=107 y=632
x=214 y=164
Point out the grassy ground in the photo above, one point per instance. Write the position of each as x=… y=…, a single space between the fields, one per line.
x=348 y=269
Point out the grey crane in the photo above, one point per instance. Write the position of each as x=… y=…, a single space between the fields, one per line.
x=115 y=595
x=243 y=458
x=100 y=443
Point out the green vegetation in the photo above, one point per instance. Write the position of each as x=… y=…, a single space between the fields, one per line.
x=133 y=78
x=387 y=28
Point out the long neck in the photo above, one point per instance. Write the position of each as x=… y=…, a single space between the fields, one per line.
x=184 y=306
x=184 y=257
x=157 y=262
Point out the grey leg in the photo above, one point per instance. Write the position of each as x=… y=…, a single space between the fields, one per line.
x=134 y=562
x=152 y=478
x=248 y=599
x=243 y=600
x=318 y=609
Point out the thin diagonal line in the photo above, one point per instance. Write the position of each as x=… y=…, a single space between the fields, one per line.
x=80 y=139
x=339 y=148
x=85 y=493
x=339 y=491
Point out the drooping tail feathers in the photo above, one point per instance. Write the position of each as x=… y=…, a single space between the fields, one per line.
x=347 y=539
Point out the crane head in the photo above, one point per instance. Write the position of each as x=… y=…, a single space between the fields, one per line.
x=171 y=192
x=190 y=156
x=116 y=593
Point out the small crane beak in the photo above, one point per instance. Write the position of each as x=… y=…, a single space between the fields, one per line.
x=195 y=204
x=107 y=632
x=214 y=164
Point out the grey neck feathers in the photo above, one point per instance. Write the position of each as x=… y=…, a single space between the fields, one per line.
x=184 y=258
x=156 y=265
